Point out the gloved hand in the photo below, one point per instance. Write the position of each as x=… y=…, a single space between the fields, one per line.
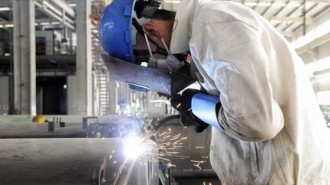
x=182 y=103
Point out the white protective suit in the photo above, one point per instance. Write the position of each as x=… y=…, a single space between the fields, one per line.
x=274 y=132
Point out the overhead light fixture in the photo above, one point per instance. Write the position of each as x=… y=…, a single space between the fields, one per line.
x=2 y=9
x=294 y=4
x=9 y=25
x=276 y=4
x=73 y=5
x=52 y=7
x=276 y=21
x=172 y=1
x=44 y=23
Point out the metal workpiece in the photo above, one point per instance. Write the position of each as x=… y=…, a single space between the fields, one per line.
x=41 y=130
x=116 y=128
x=75 y=161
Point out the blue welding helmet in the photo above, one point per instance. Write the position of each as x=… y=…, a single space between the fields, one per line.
x=116 y=29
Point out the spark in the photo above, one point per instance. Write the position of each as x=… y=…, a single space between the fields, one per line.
x=175 y=137
x=171 y=165
x=171 y=145
x=182 y=157
x=165 y=159
x=198 y=163
x=173 y=152
x=162 y=134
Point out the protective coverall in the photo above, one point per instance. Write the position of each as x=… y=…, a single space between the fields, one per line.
x=274 y=132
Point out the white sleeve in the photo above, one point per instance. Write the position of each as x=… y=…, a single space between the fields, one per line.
x=232 y=56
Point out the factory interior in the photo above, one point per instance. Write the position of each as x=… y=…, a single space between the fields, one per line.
x=64 y=120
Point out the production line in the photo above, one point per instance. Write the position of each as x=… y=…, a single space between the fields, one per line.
x=164 y=92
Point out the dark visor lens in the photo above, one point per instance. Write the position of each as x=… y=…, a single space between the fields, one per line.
x=141 y=56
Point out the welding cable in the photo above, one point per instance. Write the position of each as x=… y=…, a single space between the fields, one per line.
x=162 y=121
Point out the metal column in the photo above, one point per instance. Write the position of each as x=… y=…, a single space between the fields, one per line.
x=24 y=57
x=84 y=58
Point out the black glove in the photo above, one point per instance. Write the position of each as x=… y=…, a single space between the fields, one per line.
x=182 y=103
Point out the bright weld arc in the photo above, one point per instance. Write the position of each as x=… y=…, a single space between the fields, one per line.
x=133 y=147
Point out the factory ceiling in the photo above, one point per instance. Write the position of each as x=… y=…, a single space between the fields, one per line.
x=288 y=16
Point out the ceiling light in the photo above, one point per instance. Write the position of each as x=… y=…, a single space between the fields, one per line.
x=2 y=9
x=172 y=1
x=9 y=25
x=276 y=4
x=44 y=23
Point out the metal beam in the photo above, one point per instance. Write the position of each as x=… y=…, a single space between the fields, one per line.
x=24 y=57
x=326 y=71
x=304 y=16
x=290 y=19
x=266 y=10
x=68 y=22
x=84 y=59
x=313 y=44
x=65 y=6
x=37 y=22
x=294 y=1
x=62 y=5
x=321 y=83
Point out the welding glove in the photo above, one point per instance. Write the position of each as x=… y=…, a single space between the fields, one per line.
x=197 y=109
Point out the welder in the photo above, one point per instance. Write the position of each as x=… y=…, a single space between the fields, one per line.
x=267 y=127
